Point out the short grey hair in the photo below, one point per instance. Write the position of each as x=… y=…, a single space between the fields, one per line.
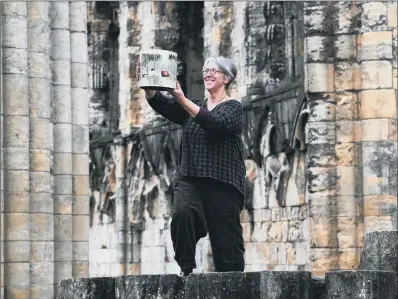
x=226 y=65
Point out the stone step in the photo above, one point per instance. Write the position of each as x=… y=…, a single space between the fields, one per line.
x=232 y=285
x=361 y=285
x=380 y=251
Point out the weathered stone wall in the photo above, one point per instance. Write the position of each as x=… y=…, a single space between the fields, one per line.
x=44 y=149
x=317 y=83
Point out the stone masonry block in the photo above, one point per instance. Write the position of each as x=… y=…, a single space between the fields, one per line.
x=12 y=125
x=347 y=76
x=324 y=232
x=41 y=273
x=347 y=184
x=14 y=9
x=374 y=16
x=39 y=35
x=15 y=61
x=348 y=17
x=40 y=98
x=14 y=32
x=17 y=251
x=376 y=74
x=321 y=132
x=376 y=180
x=80 y=269
x=16 y=158
x=42 y=251
x=319 y=49
x=59 y=15
x=63 y=227
x=80 y=251
x=15 y=93
x=347 y=154
x=336 y=206
x=41 y=203
x=322 y=181
x=315 y=14
x=42 y=291
x=395 y=48
x=80 y=185
x=378 y=153
x=374 y=129
x=63 y=204
x=380 y=223
x=90 y=288
x=79 y=77
x=39 y=65
x=62 y=105
x=16 y=202
x=80 y=228
x=348 y=131
x=80 y=106
x=395 y=78
x=78 y=16
x=41 y=133
x=63 y=251
x=62 y=138
x=80 y=164
x=41 y=227
x=375 y=45
x=349 y=258
x=377 y=104
x=392 y=131
x=38 y=11
x=392 y=17
x=17 y=275
x=379 y=205
x=80 y=141
x=81 y=205
x=351 y=232
x=40 y=182
x=62 y=270
x=320 y=155
x=61 y=72
x=16 y=181
x=323 y=260
x=62 y=163
x=16 y=226
x=78 y=47
x=346 y=106
x=346 y=47
x=40 y=160
x=320 y=77
x=323 y=109
x=61 y=45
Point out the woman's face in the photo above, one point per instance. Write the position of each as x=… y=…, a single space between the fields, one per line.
x=212 y=76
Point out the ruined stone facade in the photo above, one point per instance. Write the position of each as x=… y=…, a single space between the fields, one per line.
x=318 y=81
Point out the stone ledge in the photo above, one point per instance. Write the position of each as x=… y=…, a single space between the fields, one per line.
x=361 y=284
x=232 y=285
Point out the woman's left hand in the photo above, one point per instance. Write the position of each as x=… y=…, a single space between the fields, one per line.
x=177 y=93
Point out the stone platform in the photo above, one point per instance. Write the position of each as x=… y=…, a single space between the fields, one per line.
x=376 y=279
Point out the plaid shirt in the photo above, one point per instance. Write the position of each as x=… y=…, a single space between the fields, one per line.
x=211 y=144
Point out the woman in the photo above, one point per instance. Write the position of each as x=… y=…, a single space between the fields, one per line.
x=209 y=182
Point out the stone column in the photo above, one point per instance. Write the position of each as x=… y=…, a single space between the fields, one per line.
x=1 y=164
x=41 y=146
x=80 y=137
x=62 y=130
x=16 y=150
x=377 y=114
x=321 y=136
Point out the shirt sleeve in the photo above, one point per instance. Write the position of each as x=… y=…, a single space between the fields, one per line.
x=227 y=119
x=168 y=108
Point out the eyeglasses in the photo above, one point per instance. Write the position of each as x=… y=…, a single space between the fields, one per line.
x=212 y=71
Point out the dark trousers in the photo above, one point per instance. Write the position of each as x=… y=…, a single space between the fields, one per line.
x=202 y=205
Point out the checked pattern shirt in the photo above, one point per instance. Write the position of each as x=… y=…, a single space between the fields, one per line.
x=211 y=144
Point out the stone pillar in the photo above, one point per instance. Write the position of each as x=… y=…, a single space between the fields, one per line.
x=80 y=139
x=1 y=164
x=377 y=114
x=62 y=130
x=41 y=146
x=16 y=150
x=321 y=136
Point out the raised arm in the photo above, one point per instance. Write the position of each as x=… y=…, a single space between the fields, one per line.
x=167 y=107
x=225 y=119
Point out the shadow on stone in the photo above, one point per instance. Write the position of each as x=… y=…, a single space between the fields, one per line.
x=318 y=288
x=361 y=284
x=88 y=288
